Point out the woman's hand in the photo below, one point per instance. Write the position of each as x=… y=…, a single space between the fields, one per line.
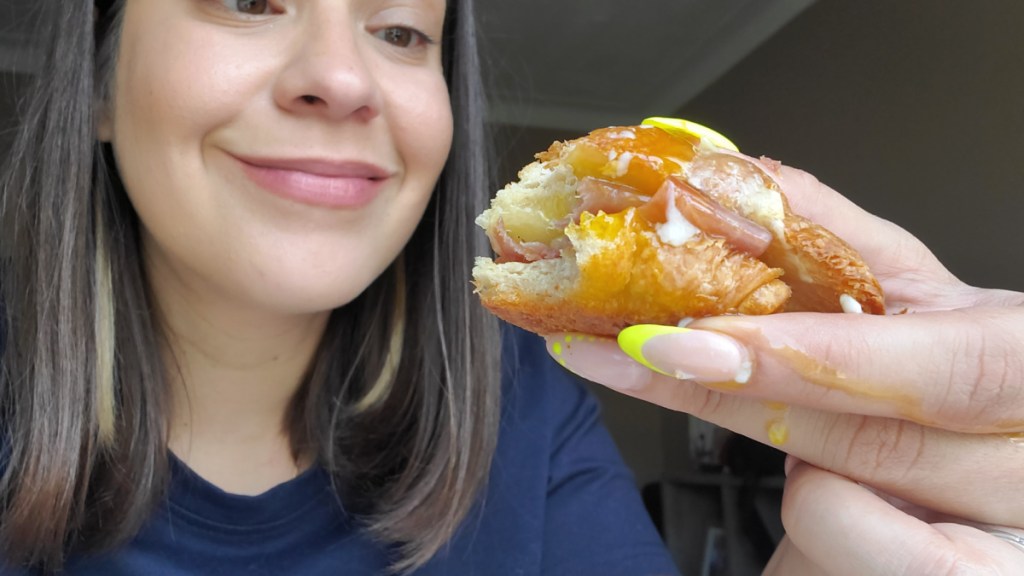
x=840 y=528
x=925 y=405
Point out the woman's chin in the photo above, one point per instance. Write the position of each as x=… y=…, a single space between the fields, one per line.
x=292 y=298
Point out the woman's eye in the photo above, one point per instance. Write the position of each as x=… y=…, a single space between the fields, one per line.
x=402 y=37
x=253 y=7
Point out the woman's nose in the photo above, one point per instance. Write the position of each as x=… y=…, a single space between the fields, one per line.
x=327 y=73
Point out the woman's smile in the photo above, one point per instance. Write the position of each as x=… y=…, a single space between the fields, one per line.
x=327 y=183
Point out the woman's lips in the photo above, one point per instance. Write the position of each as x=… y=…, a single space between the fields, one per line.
x=323 y=183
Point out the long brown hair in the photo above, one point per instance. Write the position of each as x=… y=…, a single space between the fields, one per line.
x=406 y=426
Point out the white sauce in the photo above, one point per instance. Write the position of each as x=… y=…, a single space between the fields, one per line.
x=625 y=134
x=676 y=230
x=746 y=371
x=623 y=164
x=743 y=377
x=654 y=161
x=680 y=375
x=850 y=305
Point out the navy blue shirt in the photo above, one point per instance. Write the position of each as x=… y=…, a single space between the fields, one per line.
x=560 y=501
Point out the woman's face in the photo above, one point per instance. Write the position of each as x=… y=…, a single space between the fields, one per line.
x=279 y=153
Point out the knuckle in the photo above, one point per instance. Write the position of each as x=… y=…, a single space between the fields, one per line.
x=886 y=450
x=706 y=403
x=985 y=376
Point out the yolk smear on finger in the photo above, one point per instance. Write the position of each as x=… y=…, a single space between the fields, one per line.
x=778 y=432
x=777 y=427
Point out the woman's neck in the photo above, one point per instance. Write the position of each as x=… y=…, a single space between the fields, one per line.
x=233 y=373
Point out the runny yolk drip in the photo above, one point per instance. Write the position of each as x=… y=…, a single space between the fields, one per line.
x=778 y=431
x=638 y=156
x=777 y=426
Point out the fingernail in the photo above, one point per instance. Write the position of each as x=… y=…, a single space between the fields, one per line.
x=678 y=125
x=596 y=359
x=706 y=357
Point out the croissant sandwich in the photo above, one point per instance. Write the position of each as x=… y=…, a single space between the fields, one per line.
x=657 y=224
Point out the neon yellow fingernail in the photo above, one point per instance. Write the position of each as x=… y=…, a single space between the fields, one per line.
x=632 y=341
x=680 y=126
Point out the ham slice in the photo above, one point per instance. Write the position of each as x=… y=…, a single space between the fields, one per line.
x=511 y=249
x=599 y=195
x=711 y=217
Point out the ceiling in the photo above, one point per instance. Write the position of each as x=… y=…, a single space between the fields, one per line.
x=584 y=63
x=573 y=65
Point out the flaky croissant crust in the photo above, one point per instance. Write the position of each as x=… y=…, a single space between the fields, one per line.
x=615 y=270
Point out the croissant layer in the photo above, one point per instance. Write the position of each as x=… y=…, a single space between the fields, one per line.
x=632 y=225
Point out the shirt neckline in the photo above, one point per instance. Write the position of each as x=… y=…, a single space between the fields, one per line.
x=201 y=499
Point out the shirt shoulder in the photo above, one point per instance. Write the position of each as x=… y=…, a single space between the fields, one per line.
x=560 y=499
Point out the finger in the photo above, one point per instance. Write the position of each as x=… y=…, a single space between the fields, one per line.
x=849 y=530
x=886 y=247
x=924 y=472
x=788 y=560
x=959 y=370
x=910 y=461
x=811 y=198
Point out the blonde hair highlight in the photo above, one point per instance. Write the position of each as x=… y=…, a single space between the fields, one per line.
x=386 y=379
x=105 y=404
